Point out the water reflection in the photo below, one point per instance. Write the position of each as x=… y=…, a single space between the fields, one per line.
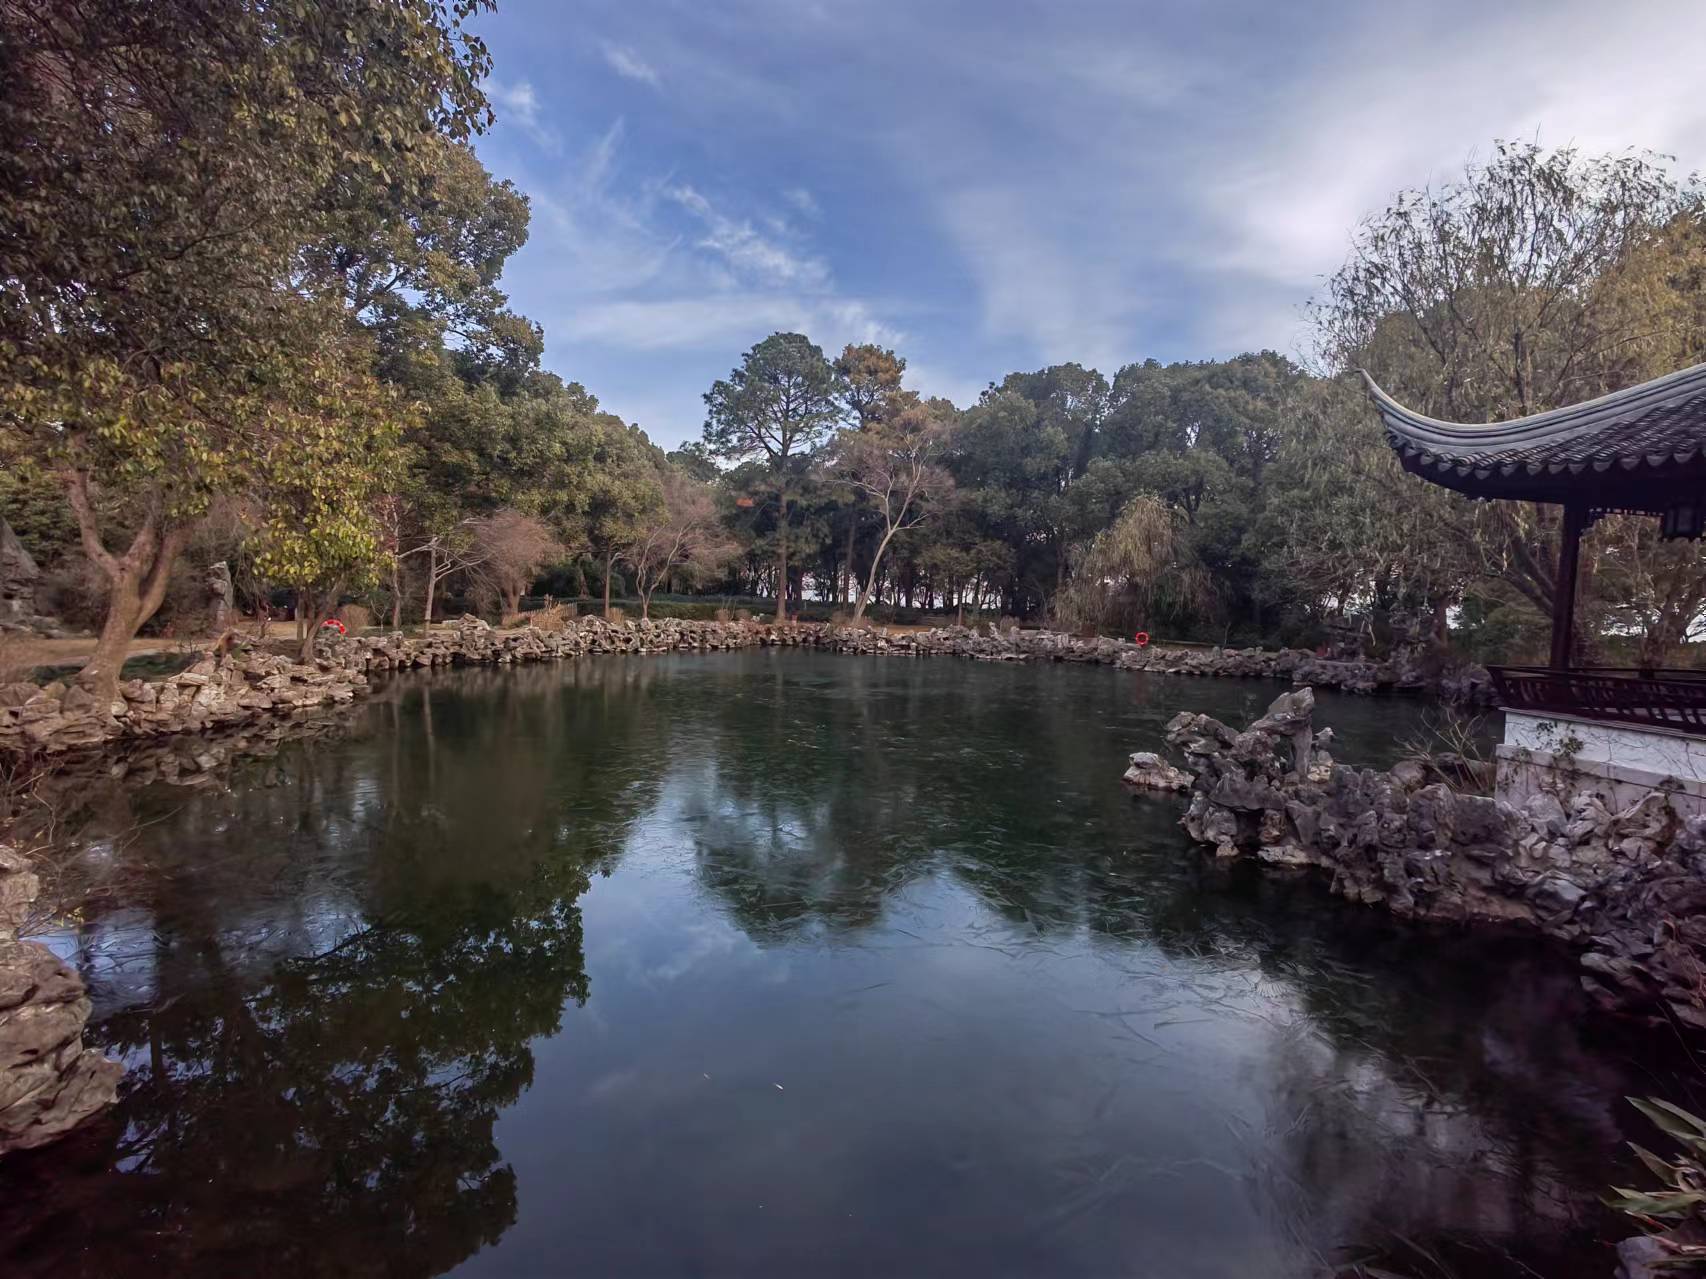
x=782 y=963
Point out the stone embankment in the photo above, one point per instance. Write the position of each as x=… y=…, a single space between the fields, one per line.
x=1626 y=888
x=49 y=1083
x=220 y=691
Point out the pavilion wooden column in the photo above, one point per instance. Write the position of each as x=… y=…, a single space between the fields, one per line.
x=1564 y=584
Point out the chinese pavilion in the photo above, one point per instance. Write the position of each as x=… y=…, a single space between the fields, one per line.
x=1639 y=451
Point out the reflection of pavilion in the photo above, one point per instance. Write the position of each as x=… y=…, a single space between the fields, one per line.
x=1639 y=451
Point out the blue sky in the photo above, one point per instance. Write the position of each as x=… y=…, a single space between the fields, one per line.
x=995 y=185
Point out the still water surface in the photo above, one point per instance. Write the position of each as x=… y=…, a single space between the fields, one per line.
x=790 y=964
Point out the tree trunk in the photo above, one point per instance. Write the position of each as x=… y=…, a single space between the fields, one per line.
x=866 y=591
x=782 y=558
x=609 y=565
x=432 y=586
x=396 y=594
x=311 y=611
x=848 y=579
x=136 y=580
x=124 y=618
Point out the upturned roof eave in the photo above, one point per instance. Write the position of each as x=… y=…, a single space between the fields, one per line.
x=1641 y=487
x=1433 y=435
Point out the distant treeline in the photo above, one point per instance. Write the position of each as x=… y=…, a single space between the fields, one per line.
x=250 y=311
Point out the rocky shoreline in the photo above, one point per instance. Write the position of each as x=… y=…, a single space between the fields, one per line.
x=1626 y=889
x=49 y=1082
x=250 y=686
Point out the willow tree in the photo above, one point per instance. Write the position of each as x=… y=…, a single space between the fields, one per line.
x=1540 y=279
x=1137 y=570
x=775 y=408
x=166 y=165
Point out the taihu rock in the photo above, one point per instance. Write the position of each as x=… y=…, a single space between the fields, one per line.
x=1627 y=888
x=49 y=1083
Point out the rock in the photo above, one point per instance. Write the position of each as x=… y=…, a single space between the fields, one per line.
x=1149 y=771
x=1628 y=888
x=18 y=577
x=49 y=1083
x=16 y=694
x=1643 y=1257
x=1545 y=814
x=216 y=581
x=1410 y=773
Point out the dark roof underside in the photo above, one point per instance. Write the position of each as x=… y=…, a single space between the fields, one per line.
x=1641 y=449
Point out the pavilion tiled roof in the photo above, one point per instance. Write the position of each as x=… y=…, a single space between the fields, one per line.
x=1629 y=450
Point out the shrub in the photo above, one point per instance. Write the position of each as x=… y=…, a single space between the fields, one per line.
x=1677 y=1206
x=74 y=592
x=358 y=617
x=552 y=618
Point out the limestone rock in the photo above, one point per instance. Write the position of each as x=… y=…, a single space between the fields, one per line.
x=1628 y=888
x=1149 y=771
x=49 y=1083
x=221 y=596
x=18 y=577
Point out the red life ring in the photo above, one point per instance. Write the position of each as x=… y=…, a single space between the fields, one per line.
x=1142 y=638
x=333 y=624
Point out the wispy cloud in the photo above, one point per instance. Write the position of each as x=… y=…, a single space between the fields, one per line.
x=747 y=252
x=1096 y=181
x=804 y=201
x=518 y=104
x=629 y=65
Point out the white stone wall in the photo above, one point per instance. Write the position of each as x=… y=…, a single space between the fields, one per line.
x=1664 y=751
x=1567 y=754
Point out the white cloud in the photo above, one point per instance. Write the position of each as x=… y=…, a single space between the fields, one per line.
x=1100 y=184
x=629 y=65
x=1279 y=210
x=518 y=104
x=929 y=381
x=624 y=267
x=1061 y=295
x=748 y=253
x=723 y=321
x=804 y=201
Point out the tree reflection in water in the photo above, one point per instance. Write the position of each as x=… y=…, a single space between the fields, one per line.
x=332 y=973
x=323 y=1023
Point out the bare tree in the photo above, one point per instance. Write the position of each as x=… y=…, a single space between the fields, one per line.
x=894 y=467
x=682 y=536
x=512 y=548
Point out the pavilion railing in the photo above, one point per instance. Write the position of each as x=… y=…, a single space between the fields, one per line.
x=1630 y=695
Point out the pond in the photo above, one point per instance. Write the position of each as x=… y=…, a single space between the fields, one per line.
x=782 y=963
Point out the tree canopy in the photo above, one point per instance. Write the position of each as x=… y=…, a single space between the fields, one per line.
x=251 y=307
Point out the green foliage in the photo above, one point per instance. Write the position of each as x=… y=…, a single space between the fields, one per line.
x=776 y=407
x=315 y=497
x=1679 y=1199
x=254 y=266
x=1138 y=568
x=171 y=185
x=1540 y=278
